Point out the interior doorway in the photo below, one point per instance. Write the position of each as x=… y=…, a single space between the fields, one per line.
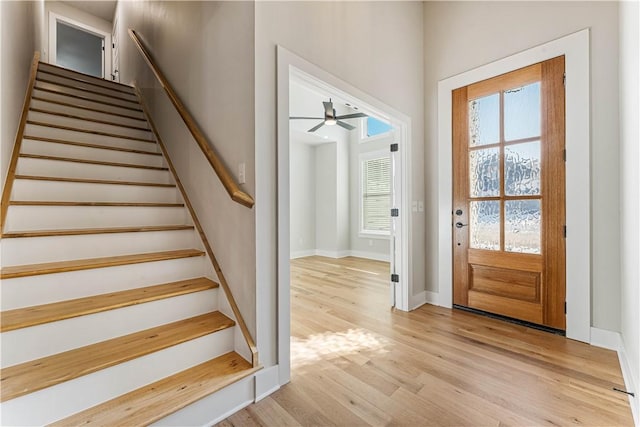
x=509 y=195
x=79 y=47
x=399 y=163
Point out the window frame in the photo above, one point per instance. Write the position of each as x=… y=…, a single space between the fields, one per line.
x=362 y=232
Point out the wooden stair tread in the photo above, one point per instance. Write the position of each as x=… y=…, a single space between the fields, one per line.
x=83 y=107
x=43 y=68
x=53 y=312
x=155 y=401
x=92 y=181
x=45 y=372
x=83 y=231
x=133 y=204
x=87 y=119
x=93 y=92
x=89 y=145
x=86 y=98
x=92 y=132
x=93 y=162
x=89 y=263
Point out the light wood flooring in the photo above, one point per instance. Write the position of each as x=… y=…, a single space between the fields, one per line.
x=357 y=362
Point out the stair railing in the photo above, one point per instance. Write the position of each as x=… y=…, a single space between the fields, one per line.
x=223 y=173
x=11 y=172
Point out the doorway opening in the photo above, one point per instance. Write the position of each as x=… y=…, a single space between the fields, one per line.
x=343 y=204
x=79 y=47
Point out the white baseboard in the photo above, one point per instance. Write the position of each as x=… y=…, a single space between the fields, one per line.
x=613 y=341
x=302 y=254
x=339 y=254
x=267 y=381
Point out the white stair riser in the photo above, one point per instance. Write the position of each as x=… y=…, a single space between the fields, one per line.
x=85 y=86
x=47 y=288
x=63 y=169
x=101 y=82
x=62 y=217
x=87 y=103
x=213 y=408
x=28 y=189
x=43 y=148
x=81 y=112
x=86 y=124
x=79 y=92
x=62 y=400
x=32 y=343
x=34 y=250
x=89 y=138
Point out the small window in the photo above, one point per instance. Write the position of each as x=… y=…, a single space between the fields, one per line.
x=375 y=192
x=376 y=127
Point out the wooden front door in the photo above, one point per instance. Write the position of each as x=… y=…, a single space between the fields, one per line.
x=509 y=195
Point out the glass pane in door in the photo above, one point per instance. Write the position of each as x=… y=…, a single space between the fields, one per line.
x=522 y=112
x=484 y=120
x=484 y=225
x=522 y=226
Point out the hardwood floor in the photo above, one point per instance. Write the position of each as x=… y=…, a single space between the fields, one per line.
x=354 y=361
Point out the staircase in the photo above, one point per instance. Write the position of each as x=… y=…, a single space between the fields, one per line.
x=111 y=310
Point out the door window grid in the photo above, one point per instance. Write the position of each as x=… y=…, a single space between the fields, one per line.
x=504 y=176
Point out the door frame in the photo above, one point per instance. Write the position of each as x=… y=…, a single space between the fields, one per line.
x=575 y=48
x=288 y=62
x=54 y=18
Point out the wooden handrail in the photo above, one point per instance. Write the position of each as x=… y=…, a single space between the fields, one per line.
x=223 y=173
x=8 y=184
x=223 y=281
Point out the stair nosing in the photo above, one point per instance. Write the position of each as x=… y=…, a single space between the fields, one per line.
x=89 y=231
x=87 y=119
x=93 y=162
x=201 y=380
x=89 y=145
x=82 y=107
x=138 y=344
x=93 y=92
x=92 y=132
x=86 y=305
x=93 y=181
x=86 y=98
x=25 y=270
x=81 y=74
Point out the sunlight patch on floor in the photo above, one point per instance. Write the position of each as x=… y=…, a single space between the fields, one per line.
x=328 y=345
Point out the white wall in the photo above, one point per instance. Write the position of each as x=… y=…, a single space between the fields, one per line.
x=16 y=52
x=630 y=189
x=302 y=158
x=460 y=36
x=213 y=73
x=381 y=44
x=326 y=200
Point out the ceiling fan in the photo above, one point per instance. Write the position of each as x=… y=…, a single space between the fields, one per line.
x=330 y=118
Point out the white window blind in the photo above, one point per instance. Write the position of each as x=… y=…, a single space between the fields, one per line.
x=376 y=195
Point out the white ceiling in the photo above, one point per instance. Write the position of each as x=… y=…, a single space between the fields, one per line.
x=104 y=9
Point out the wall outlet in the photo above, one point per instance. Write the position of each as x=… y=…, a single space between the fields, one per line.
x=242 y=179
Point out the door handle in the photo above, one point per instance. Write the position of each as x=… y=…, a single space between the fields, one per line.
x=460 y=225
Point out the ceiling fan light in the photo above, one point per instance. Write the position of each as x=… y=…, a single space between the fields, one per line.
x=330 y=122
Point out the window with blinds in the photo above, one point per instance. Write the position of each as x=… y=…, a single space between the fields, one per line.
x=376 y=195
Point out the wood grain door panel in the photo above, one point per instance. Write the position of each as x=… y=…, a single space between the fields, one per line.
x=508 y=170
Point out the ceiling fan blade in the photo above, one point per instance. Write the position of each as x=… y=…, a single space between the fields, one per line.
x=352 y=116
x=328 y=108
x=347 y=126
x=315 y=128
x=310 y=118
